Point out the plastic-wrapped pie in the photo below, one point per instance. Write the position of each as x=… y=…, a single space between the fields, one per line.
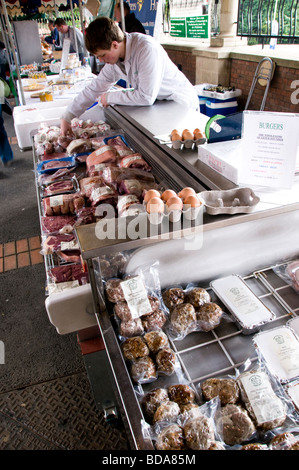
x=208 y=316
x=131 y=328
x=170 y=438
x=173 y=297
x=167 y=411
x=183 y=319
x=123 y=311
x=154 y=321
x=236 y=424
x=190 y=411
x=135 y=347
x=165 y=361
x=181 y=394
x=152 y=400
x=114 y=290
x=197 y=296
x=226 y=389
x=156 y=340
x=143 y=370
x=199 y=433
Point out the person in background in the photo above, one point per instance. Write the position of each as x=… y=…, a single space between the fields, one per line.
x=139 y=60
x=68 y=32
x=6 y=153
x=3 y=61
x=132 y=24
x=53 y=39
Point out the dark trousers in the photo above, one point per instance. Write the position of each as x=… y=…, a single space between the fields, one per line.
x=6 y=152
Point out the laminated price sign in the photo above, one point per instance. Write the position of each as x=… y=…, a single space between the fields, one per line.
x=270 y=145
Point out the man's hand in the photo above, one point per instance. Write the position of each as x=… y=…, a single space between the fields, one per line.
x=65 y=127
x=103 y=100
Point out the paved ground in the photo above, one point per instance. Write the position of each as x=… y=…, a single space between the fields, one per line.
x=46 y=400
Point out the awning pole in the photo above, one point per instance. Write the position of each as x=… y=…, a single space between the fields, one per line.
x=122 y=14
x=74 y=26
x=8 y=27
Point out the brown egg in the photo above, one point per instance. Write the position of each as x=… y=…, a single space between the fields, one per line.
x=185 y=192
x=155 y=205
x=174 y=131
x=198 y=134
x=151 y=193
x=176 y=136
x=167 y=194
x=174 y=203
x=192 y=201
x=187 y=135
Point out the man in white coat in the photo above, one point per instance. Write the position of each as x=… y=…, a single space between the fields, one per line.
x=139 y=60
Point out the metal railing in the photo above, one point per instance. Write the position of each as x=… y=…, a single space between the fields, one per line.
x=268 y=19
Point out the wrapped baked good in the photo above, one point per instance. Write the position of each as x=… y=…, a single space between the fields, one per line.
x=152 y=400
x=123 y=312
x=143 y=370
x=114 y=290
x=170 y=438
x=156 y=340
x=236 y=425
x=135 y=347
x=208 y=316
x=266 y=409
x=190 y=411
x=165 y=361
x=183 y=319
x=173 y=296
x=283 y=441
x=254 y=446
x=199 y=433
x=181 y=394
x=154 y=321
x=131 y=328
x=197 y=296
x=167 y=411
x=225 y=388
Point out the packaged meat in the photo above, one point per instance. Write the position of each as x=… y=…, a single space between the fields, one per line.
x=116 y=175
x=129 y=205
x=165 y=361
x=68 y=273
x=117 y=141
x=181 y=394
x=78 y=146
x=60 y=223
x=156 y=340
x=102 y=155
x=199 y=433
x=63 y=186
x=167 y=411
x=62 y=204
x=46 y=179
x=173 y=296
x=134 y=347
x=245 y=306
x=143 y=370
x=51 y=166
x=208 y=316
x=59 y=242
x=134 y=160
x=279 y=349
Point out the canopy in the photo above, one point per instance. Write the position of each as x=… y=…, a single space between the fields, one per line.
x=32 y=7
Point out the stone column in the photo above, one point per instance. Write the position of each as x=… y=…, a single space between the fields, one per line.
x=228 y=25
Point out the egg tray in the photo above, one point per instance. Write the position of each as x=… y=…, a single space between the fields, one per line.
x=188 y=144
x=230 y=201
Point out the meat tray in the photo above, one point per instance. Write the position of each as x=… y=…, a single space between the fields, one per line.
x=230 y=201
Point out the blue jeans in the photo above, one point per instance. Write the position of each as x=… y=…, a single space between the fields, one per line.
x=6 y=152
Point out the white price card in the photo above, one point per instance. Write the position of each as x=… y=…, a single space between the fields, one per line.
x=270 y=144
x=136 y=296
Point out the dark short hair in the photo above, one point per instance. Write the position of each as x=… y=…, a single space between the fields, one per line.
x=51 y=22
x=126 y=7
x=101 y=33
x=59 y=22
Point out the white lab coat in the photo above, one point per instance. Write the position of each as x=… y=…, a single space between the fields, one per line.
x=148 y=70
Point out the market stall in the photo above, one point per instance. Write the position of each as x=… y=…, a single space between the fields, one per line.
x=251 y=238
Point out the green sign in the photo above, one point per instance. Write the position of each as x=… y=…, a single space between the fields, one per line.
x=190 y=27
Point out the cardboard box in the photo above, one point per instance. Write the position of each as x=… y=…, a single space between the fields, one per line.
x=224 y=157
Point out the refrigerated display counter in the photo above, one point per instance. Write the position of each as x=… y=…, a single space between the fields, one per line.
x=247 y=244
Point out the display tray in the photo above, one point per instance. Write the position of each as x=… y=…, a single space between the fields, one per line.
x=224 y=350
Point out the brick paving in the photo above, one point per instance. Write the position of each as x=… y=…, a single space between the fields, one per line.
x=20 y=253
